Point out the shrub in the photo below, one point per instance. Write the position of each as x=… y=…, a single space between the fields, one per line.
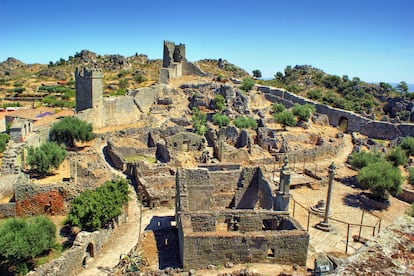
x=285 y=118
x=315 y=95
x=123 y=84
x=303 y=112
x=138 y=78
x=4 y=139
x=48 y=155
x=71 y=129
x=22 y=240
x=407 y=144
x=199 y=121
x=244 y=122
x=397 y=157
x=219 y=102
x=410 y=178
x=381 y=178
x=247 y=84
x=92 y=210
x=358 y=160
x=221 y=119
x=277 y=108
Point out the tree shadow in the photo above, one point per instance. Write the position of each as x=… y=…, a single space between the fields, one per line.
x=350 y=181
x=166 y=237
x=365 y=202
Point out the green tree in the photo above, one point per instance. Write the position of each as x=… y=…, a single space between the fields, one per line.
x=22 y=240
x=315 y=94
x=402 y=87
x=92 y=210
x=285 y=118
x=277 y=108
x=358 y=160
x=199 y=121
x=381 y=178
x=71 y=129
x=397 y=157
x=4 y=139
x=407 y=144
x=303 y=112
x=257 y=74
x=247 y=84
x=219 y=102
x=48 y=155
x=244 y=122
x=221 y=119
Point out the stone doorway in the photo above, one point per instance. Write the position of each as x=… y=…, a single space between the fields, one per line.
x=343 y=124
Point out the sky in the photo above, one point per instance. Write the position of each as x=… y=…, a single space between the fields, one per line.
x=369 y=39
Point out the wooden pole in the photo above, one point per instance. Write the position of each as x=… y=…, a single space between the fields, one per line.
x=347 y=238
x=307 y=227
x=360 y=227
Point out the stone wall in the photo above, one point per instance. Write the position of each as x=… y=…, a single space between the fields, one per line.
x=407 y=195
x=356 y=123
x=85 y=246
x=7 y=210
x=32 y=199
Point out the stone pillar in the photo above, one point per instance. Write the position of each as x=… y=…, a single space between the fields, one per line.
x=283 y=194
x=73 y=170
x=324 y=225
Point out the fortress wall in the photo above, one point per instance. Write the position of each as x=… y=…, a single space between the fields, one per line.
x=120 y=110
x=371 y=128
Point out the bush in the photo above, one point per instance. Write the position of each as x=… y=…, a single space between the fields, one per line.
x=48 y=155
x=407 y=144
x=221 y=119
x=138 y=78
x=285 y=118
x=277 y=108
x=358 y=160
x=410 y=178
x=92 y=210
x=244 y=122
x=397 y=157
x=123 y=84
x=381 y=178
x=4 y=139
x=219 y=102
x=303 y=112
x=71 y=129
x=315 y=95
x=22 y=240
x=199 y=121
x=247 y=84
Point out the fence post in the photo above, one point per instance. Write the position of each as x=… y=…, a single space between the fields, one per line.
x=307 y=227
x=360 y=227
x=294 y=208
x=379 y=225
x=347 y=238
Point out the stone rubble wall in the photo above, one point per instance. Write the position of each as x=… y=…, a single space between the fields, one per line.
x=71 y=261
x=356 y=123
x=288 y=247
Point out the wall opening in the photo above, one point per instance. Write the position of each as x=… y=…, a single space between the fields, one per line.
x=89 y=253
x=270 y=253
x=343 y=124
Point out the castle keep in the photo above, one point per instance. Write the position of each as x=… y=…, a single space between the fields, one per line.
x=88 y=89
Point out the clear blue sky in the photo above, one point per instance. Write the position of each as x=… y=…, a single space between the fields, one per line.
x=371 y=39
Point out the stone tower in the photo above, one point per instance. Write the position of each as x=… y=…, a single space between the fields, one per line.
x=89 y=89
x=173 y=54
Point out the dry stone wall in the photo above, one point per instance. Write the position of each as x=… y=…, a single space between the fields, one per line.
x=356 y=123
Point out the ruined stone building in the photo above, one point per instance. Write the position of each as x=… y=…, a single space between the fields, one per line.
x=175 y=64
x=225 y=213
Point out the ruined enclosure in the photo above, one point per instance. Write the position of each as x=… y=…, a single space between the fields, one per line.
x=228 y=214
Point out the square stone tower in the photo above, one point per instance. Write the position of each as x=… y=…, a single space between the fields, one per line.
x=89 y=89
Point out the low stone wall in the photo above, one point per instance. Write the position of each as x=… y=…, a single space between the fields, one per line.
x=32 y=199
x=331 y=149
x=86 y=245
x=407 y=195
x=7 y=210
x=284 y=246
x=356 y=123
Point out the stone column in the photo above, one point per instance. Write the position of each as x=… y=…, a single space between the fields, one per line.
x=324 y=225
x=283 y=194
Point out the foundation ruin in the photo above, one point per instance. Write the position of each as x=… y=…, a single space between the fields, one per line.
x=228 y=214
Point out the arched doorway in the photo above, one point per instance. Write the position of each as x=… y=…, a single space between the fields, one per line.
x=343 y=124
x=89 y=253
